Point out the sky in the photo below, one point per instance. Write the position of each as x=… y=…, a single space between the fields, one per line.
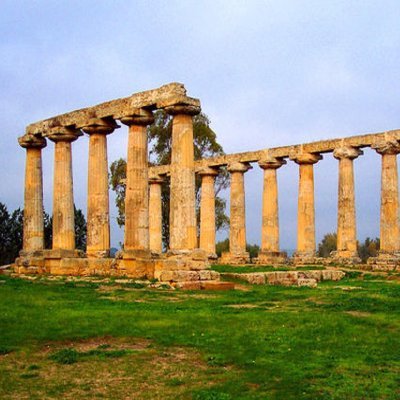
x=268 y=73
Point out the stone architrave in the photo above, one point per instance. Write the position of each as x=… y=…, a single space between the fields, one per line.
x=207 y=210
x=63 y=197
x=155 y=214
x=33 y=231
x=389 y=214
x=306 y=246
x=237 y=234
x=183 y=235
x=270 y=252
x=346 y=226
x=98 y=213
x=136 y=242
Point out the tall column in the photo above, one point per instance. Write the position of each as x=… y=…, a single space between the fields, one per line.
x=98 y=214
x=237 y=233
x=207 y=210
x=63 y=198
x=155 y=214
x=183 y=235
x=137 y=197
x=33 y=233
x=389 y=226
x=306 y=211
x=270 y=252
x=346 y=229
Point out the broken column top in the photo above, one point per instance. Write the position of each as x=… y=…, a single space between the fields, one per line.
x=164 y=96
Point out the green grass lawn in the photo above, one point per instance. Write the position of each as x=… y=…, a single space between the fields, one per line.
x=106 y=340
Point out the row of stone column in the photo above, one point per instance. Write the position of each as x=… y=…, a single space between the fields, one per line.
x=306 y=244
x=138 y=222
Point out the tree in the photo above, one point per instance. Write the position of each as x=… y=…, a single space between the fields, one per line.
x=369 y=248
x=10 y=234
x=80 y=230
x=160 y=136
x=327 y=245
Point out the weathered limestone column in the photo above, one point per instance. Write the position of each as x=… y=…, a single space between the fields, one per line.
x=237 y=234
x=136 y=242
x=207 y=211
x=389 y=253
x=33 y=233
x=63 y=198
x=182 y=202
x=306 y=211
x=98 y=214
x=346 y=230
x=155 y=214
x=270 y=252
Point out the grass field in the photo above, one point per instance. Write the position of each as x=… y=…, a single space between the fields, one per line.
x=61 y=339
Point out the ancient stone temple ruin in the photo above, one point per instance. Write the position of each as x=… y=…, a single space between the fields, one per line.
x=188 y=257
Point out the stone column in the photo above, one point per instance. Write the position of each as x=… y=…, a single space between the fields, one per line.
x=98 y=214
x=136 y=242
x=63 y=198
x=183 y=235
x=306 y=211
x=389 y=226
x=237 y=233
x=270 y=252
x=33 y=233
x=346 y=230
x=207 y=211
x=155 y=214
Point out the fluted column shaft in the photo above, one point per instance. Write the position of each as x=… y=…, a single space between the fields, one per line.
x=63 y=196
x=137 y=196
x=389 y=214
x=306 y=208
x=346 y=228
x=98 y=214
x=207 y=210
x=155 y=214
x=183 y=234
x=237 y=233
x=270 y=210
x=33 y=231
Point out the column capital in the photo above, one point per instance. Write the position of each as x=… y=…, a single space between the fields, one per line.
x=239 y=167
x=183 y=109
x=347 y=152
x=270 y=162
x=208 y=171
x=387 y=147
x=156 y=179
x=305 y=158
x=141 y=117
x=103 y=126
x=30 y=141
x=63 y=134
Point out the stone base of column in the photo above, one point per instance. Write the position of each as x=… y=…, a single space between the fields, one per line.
x=229 y=258
x=343 y=258
x=386 y=261
x=98 y=253
x=300 y=258
x=271 y=258
x=30 y=263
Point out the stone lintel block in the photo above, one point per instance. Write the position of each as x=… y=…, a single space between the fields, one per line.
x=150 y=99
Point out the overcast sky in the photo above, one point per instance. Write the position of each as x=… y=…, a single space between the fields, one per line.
x=268 y=73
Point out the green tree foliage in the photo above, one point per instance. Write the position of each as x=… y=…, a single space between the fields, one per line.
x=80 y=230
x=160 y=135
x=10 y=234
x=327 y=245
x=369 y=248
